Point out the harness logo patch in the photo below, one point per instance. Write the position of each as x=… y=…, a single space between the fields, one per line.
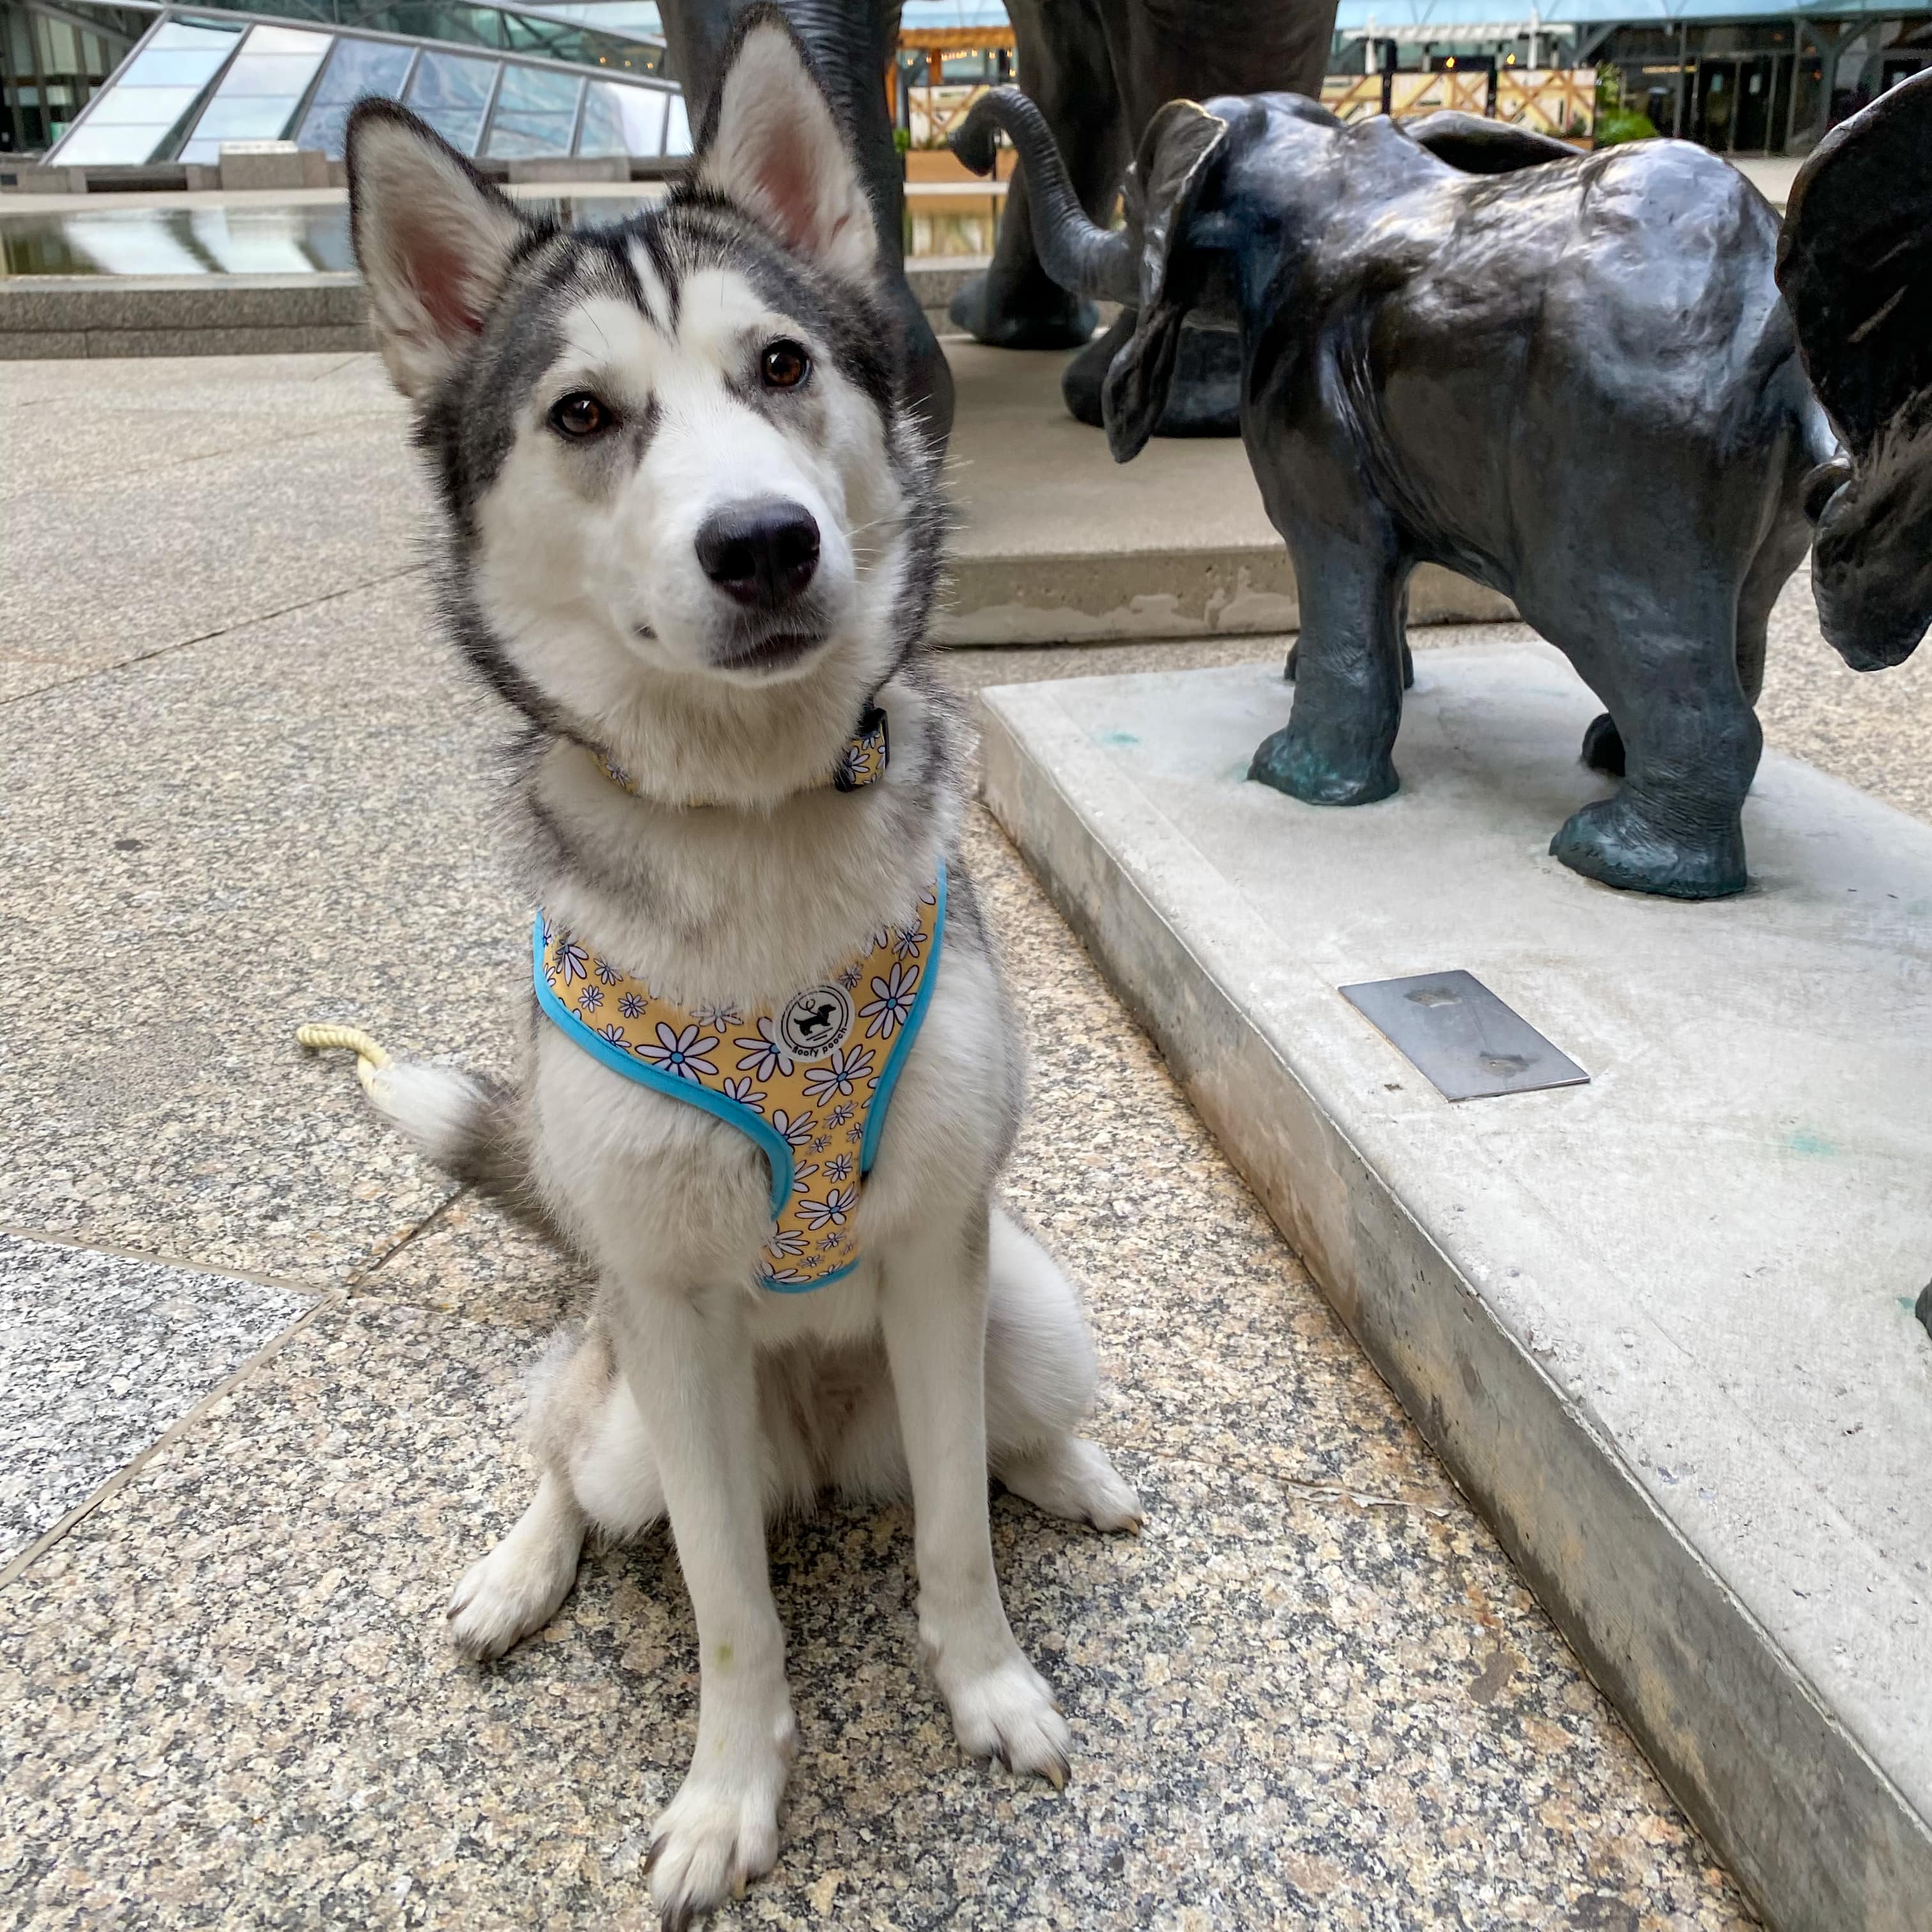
x=816 y=1020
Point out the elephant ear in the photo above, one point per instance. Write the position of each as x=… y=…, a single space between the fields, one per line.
x=1854 y=262
x=1164 y=188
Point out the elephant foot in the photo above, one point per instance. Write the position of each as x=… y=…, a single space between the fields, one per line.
x=1408 y=668
x=1603 y=746
x=1291 y=764
x=1611 y=840
x=1047 y=317
x=1204 y=398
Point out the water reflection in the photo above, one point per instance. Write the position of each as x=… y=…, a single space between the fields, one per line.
x=298 y=238
x=270 y=239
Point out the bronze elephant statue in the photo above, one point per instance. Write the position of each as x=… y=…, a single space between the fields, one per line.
x=1571 y=377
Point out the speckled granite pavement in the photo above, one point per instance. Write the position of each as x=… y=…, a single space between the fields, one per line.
x=1314 y=1693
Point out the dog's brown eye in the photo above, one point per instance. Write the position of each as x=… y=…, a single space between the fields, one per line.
x=785 y=365
x=580 y=414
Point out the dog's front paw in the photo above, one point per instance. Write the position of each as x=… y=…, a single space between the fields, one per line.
x=1008 y=1712
x=719 y=1833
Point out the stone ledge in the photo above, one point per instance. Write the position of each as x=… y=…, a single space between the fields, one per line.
x=1089 y=597
x=1660 y=1327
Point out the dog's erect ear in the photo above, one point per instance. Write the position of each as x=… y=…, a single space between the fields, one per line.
x=433 y=239
x=1164 y=189
x=772 y=144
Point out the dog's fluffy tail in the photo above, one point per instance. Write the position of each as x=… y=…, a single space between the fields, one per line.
x=466 y=1125
x=470 y=1127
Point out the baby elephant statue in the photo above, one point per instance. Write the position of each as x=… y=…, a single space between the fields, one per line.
x=1570 y=377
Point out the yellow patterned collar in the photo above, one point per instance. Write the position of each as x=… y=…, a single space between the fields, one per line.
x=863 y=761
x=808 y=1080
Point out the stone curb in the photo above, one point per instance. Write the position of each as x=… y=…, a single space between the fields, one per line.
x=1767 y=1755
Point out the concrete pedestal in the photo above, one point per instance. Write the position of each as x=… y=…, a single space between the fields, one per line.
x=1660 y=1326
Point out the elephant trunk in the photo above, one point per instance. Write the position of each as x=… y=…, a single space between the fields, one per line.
x=1081 y=257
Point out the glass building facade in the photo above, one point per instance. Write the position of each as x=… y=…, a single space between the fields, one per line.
x=497 y=82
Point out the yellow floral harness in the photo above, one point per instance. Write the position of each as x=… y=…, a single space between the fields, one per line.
x=808 y=1080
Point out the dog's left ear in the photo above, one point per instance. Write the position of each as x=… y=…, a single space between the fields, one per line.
x=773 y=144
x=433 y=239
x=1164 y=190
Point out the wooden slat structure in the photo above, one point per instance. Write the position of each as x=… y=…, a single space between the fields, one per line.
x=1561 y=101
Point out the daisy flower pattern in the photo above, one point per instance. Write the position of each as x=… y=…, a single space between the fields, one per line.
x=840 y=1074
x=891 y=1004
x=813 y=1111
x=681 y=1053
x=764 y=1054
x=832 y=1211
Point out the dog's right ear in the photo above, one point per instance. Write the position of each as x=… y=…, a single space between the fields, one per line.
x=773 y=145
x=433 y=239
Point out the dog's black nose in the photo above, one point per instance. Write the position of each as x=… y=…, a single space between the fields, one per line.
x=762 y=553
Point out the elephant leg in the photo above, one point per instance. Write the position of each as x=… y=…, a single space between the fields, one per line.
x=1690 y=743
x=1062 y=61
x=1337 y=746
x=1203 y=399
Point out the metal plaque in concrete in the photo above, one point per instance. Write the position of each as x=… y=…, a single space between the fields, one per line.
x=1452 y=1028
x=1660 y=1326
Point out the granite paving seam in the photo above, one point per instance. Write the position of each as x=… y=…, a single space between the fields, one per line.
x=209 y=636
x=363 y=1272
x=58 y=1532
x=153 y=1258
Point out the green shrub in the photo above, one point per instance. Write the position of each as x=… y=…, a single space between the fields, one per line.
x=1623 y=123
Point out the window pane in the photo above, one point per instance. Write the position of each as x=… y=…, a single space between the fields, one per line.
x=603 y=121
x=98 y=146
x=536 y=112
x=130 y=120
x=627 y=120
x=146 y=106
x=356 y=67
x=450 y=92
x=678 y=141
x=258 y=93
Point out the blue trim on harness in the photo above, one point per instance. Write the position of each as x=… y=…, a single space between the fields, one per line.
x=882 y=1097
x=747 y=1119
x=734 y=1113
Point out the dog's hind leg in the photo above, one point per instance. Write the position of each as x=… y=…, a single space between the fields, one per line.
x=522 y=1583
x=517 y=1589
x=1040 y=1377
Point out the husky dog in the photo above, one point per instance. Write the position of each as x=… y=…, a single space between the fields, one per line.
x=692 y=535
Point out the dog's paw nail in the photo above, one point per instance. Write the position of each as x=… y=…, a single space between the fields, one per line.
x=1057 y=1770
